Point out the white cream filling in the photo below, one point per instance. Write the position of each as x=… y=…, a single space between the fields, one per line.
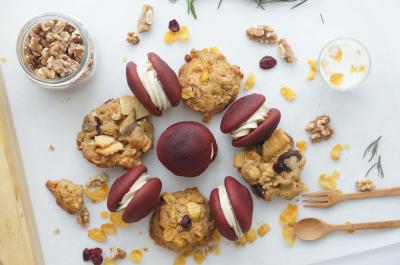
x=228 y=211
x=128 y=197
x=212 y=151
x=153 y=87
x=244 y=129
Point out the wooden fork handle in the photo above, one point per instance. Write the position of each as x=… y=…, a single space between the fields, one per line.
x=364 y=226
x=370 y=194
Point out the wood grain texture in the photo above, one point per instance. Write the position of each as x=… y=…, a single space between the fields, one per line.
x=19 y=242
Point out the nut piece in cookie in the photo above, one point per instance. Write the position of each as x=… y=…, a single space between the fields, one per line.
x=135 y=193
x=116 y=134
x=182 y=221
x=320 y=128
x=154 y=83
x=209 y=82
x=187 y=148
x=274 y=168
x=232 y=208
x=249 y=120
x=69 y=196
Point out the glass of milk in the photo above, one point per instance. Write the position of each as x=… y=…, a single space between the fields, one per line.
x=344 y=63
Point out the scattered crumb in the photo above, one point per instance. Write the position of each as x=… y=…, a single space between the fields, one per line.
x=215 y=249
x=250 y=81
x=125 y=59
x=3 y=59
x=104 y=214
x=263 y=230
x=301 y=145
x=180 y=260
x=52 y=148
x=349 y=231
x=117 y=253
x=251 y=235
x=145 y=249
x=241 y=241
x=136 y=256
x=288 y=93
x=199 y=256
x=56 y=231
x=336 y=151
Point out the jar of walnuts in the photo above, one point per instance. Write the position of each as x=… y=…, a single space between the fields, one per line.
x=56 y=51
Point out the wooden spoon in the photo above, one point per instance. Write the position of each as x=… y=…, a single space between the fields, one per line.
x=313 y=228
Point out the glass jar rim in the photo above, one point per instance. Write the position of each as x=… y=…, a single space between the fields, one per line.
x=86 y=39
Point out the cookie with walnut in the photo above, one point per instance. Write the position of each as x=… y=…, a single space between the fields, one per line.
x=117 y=133
x=209 y=82
x=182 y=221
x=273 y=168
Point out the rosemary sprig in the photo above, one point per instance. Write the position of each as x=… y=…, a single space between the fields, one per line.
x=322 y=18
x=372 y=148
x=379 y=168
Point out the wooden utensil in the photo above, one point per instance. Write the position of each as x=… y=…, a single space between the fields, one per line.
x=325 y=199
x=313 y=228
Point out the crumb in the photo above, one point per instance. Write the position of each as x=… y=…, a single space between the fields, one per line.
x=180 y=260
x=136 y=256
x=250 y=81
x=104 y=214
x=52 y=148
x=125 y=59
x=145 y=249
x=349 y=223
x=56 y=231
x=3 y=59
x=199 y=256
x=263 y=230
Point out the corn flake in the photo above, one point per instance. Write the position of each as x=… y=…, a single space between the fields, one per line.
x=136 y=256
x=301 y=145
x=289 y=215
x=116 y=218
x=182 y=35
x=357 y=70
x=215 y=236
x=305 y=188
x=263 y=230
x=251 y=235
x=336 y=79
x=97 y=235
x=97 y=194
x=336 y=53
x=109 y=261
x=328 y=182
x=104 y=214
x=288 y=235
x=204 y=75
x=180 y=260
x=250 y=81
x=313 y=69
x=108 y=228
x=199 y=256
x=288 y=93
x=336 y=151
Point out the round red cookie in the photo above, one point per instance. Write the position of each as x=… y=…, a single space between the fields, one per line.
x=145 y=199
x=165 y=75
x=187 y=148
x=242 y=206
x=240 y=111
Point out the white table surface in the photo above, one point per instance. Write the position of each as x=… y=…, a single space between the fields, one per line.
x=45 y=117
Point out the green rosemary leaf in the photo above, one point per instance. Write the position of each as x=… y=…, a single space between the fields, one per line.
x=219 y=4
x=322 y=18
x=369 y=170
x=372 y=148
x=298 y=4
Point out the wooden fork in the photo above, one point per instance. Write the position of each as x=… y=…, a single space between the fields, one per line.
x=326 y=198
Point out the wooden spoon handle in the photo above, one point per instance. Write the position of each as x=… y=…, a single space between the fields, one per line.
x=370 y=194
x=364 y=226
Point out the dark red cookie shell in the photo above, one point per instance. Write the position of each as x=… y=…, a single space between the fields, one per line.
x=144 y=202
x=185 y=148
x=135 y=84
x=262 y=132
x=219 y=218
x=240 y=111
x=241 y=201
x=167 y=77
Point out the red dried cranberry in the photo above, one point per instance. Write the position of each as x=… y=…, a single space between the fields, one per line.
x=96 y=259
x=258 y=190
x=186 y=223
x=97 y=251
x=93 y=254
x=280 y=165
x=173 y=26
x=267 y=62
x=86 y=254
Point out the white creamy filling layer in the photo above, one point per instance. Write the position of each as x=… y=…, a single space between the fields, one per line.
x=153 y=87
x=228 y=211
x=128 y=197
x=244 y=129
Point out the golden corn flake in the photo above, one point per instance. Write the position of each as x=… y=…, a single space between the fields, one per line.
x=204 y=75
x=136 y=256
x=215 y=236
x=288 y=235
x=97 y=194
x=357 y=70
x=251 y=235
x=263 y=230
x=104 y=214
x=301 y=145
x=336 y=53
x=289 y=215
x=108 y=228
x=313 y=69
x=250 y=81
x=328 y=181
x=287 y=93
x=349 y=231
x=180 y=260
x=336 y=151
x=214 y=49
x=116 y=218
x=97 y=235
x=336 y=79
x=182 y=35
x=199 y=256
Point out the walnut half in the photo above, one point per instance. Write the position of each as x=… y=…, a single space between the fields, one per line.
x=286 y=51
x=320 y=128
x=262 y=34
x=146 y=19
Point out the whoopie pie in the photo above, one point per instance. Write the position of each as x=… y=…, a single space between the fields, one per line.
x=231 y=206
x=154 y=83
x=249 y=121
x=135 y=193
x=187 y=148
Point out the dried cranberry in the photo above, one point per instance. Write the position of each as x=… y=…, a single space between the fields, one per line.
x=258 y=190
x=96 y=259
x=280 y=165
x=173 y=26
x=186 y=223
x=86 y=254
x=96 y=251
x=267 y=62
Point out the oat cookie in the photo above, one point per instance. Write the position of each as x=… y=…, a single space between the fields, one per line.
x=116 y=134
x=182 y=221
x=274 y=168
x=209 y=82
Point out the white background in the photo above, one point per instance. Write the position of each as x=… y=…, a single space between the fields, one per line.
x=45 y=117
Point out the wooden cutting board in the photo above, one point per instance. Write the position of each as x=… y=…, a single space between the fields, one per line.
x=19 y=241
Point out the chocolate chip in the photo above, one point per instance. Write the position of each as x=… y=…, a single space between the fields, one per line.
x=186 y=223
x=267 y=62
x=258 y=190
x=173 y=26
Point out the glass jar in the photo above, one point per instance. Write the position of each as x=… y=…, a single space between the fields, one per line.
x=77 y=76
